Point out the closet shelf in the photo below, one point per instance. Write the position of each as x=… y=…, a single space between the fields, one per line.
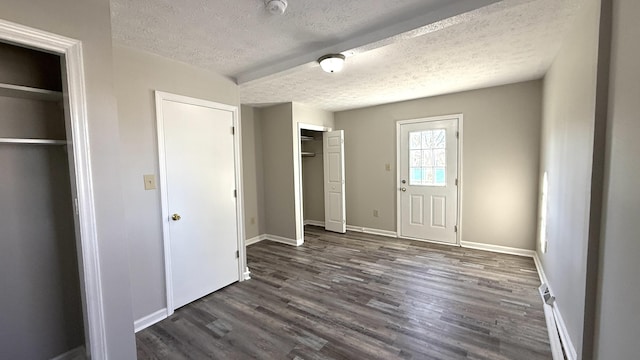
x=26 y=92
x=306 y=153
x=32 y=141
x=306 y=138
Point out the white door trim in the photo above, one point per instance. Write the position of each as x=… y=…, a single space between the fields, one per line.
x=243 y=271
x=460 y=119
x=89 y=254
x=297 y=178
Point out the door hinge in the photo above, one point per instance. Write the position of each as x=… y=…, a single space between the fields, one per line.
x=455 y=228
x=235 y=193
x=456 y=182
x=75 y=206
x=233 y=130
x=237 y=254
x=457 y=134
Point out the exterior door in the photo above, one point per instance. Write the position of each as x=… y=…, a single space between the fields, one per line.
x=334 y=196
x=428 y=172
x=201 y=205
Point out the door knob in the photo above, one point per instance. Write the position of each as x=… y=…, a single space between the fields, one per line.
x=404 y=181
x=403 y=189
x=175 y=217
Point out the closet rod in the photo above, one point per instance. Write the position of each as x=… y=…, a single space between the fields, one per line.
x=32 y=141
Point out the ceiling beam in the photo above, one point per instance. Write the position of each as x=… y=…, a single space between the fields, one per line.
x=369 y=40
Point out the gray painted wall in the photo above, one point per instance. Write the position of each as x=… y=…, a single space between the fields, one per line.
x=252 y=172
x=500 y=161
x=90 y=22
x=277 y=154
x=137 y=75
x=618 y=318
x=569 y=103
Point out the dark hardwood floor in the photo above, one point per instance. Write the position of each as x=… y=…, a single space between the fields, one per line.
x=359 y=296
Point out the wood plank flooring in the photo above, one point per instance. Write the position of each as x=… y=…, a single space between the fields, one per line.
x=360 y=296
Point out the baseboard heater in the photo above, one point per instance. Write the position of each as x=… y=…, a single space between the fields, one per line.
x=548 y=301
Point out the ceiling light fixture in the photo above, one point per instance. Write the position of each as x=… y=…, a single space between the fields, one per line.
x=276 y=7
x=332 y=62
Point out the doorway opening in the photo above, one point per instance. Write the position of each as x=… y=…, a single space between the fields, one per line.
x=319 y=179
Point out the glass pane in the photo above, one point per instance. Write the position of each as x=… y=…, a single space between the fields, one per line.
x=440 y=156
x=415 y=176
x=426 y=139
x=427 y=178
x=440 y=176
x=415 y=158
x=415 y=140
x=427 y=158
x=439 y=139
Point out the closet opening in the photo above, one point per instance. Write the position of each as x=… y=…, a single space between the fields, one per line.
x=319 y=180
x=43 y=315
x=311 y=152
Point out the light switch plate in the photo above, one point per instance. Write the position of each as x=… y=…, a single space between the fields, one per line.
x=387 y=167
x=149 y=182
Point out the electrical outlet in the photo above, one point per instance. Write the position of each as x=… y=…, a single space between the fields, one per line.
x=375 y=213
x=387 y=167
x=149 y=182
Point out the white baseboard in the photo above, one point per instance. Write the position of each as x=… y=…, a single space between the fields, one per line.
x=552 y=329
x=314 y=223
x=498 y=249
x=74 y=354
x=569 y=349
x=284 y=240
x=150 y=319
x=246 y=275
x=371 y=231
x=558 y=320
x=541 y=274
x=255 y=239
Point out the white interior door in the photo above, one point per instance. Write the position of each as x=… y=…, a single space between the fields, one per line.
x=428 y=171
x=200 y=185
x=334 y=198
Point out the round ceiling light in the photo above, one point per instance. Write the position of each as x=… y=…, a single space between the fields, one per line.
x=276 y=7
x=332 y=63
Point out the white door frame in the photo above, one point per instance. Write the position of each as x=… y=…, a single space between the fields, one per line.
x=297 y=178
x=460 y=119
x=243 y=271
x=88 y=252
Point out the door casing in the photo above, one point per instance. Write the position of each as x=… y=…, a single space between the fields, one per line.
x=243 y=271
x=399 y=123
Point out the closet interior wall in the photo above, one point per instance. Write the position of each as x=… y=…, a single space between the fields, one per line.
x=312 y=175
x=41 y=315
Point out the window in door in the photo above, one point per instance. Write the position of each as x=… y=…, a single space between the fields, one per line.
x=428 y=157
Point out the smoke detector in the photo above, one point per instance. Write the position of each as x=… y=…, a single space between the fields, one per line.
x=276 y=7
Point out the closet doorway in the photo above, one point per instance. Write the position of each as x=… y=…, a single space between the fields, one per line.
x=320 y=199
x=48 y=256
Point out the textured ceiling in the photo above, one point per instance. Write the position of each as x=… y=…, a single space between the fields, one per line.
x=510 y=41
